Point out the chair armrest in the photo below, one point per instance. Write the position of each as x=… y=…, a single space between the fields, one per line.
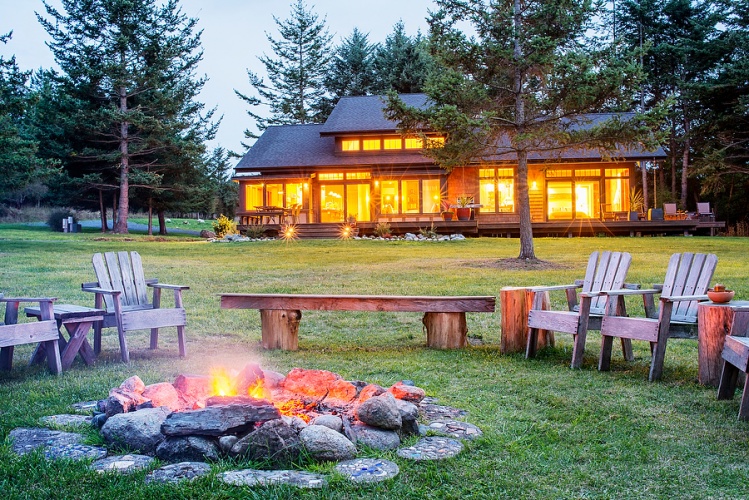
x=684 y=298
x=168 y=287
x=102 y=290
x=645 y=291
x=27 y=299
x=658 y=286
x=592 y=294
x=553 y=288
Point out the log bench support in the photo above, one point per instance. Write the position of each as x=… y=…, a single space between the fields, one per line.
x=444 y=317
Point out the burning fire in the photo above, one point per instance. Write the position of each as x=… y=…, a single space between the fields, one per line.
x=224 y=385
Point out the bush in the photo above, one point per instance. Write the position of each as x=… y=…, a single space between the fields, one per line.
x=382 y=229
x=224 y=226
x=54 y=220
x=255 y=231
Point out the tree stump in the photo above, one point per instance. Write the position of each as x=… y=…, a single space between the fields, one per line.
x=714 y=322
x=445 y=330
x=515 y=303
x=280 y=329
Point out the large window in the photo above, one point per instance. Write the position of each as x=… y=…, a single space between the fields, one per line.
x=497 y=189
x=410 y=196
x=288 y=195
x=616 y=187
x=253 y=196
x=430 y=196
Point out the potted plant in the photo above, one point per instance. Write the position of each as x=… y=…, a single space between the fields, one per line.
x=463 y=210
x=636 y=202
x=447 y=212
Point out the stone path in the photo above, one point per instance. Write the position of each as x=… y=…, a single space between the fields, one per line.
x=367 y=470
x=75 y=452
x=431 y=448
x=123 y=464
x=456 y=429
x=175 y=473
x=253 y=477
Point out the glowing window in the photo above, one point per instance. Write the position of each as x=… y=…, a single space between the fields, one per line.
x=350 y=145
x=414 y=143
x=253 y=196
x=588 y=172
x=506 y=172
x=358 y=175
x=294 y=194
x=331 y=177
x=436 y=142
x=392 y=143
x=389 y=197
x=486 y=173
x=617 y=172
x=430 y=190
x=410 y=190
x=559 y=173
x=371 y=144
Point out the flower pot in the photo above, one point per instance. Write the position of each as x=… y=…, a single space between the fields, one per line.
x=463 y=213
x=447 y=216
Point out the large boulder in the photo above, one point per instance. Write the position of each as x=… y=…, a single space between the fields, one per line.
x=274 y=440
x=407 y=392
x=139 y=430
x=133 y=384
x=380 y=411
x=319 y=384
x=195 y=389
x=163 y=394
x=218 y=420
x=379 y=439
x=323 y=443
x=370 y=391
x=187 y=449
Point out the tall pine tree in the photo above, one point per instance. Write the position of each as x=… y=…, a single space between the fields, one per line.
x=131 y=63
x=402 y=64
x=294 y=92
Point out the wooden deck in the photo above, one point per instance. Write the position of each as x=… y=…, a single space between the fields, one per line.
x=585 y=227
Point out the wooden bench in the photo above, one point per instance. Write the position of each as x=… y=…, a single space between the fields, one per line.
x=444 y=317
x=736 y=359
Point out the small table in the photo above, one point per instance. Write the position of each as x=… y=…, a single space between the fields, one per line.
x=714 y=322
x=77 y=320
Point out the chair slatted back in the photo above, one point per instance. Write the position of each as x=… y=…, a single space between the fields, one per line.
x=606 y=273
x=703 y=208
x=669 y=209
x=121 y=271
x=688 y=274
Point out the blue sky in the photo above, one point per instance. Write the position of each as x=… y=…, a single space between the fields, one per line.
x=233 y=38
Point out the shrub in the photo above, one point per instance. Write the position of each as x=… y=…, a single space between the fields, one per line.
x=224 y=226
x=382 y=228
x=255 y=231
x=428 y=232
x=54 y=220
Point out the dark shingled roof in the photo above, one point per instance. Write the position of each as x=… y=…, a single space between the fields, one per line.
x=363 y=114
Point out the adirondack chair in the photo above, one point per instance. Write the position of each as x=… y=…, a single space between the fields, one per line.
x=687 y=279
x=704 y=212
x=13 y=333
x=121 y=289
x=606 y=273
x=670 y=212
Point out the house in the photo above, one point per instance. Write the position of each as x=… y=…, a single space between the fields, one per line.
x=356 y=166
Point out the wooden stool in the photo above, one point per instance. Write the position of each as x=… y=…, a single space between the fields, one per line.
x=736 y=359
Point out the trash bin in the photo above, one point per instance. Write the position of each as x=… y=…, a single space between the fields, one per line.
x=655 y=214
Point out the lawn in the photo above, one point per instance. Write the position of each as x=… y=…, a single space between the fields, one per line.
x=549 y=431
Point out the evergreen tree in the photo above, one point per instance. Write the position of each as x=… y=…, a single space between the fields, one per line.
x=402 y=64
x=19 y=165
x=351 y=71
x=130 y=64
x=295 y=90
x=524 y=79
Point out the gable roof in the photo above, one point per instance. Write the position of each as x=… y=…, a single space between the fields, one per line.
x=364 y=114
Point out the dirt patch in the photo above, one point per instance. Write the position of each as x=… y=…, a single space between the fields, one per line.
x=515 y=264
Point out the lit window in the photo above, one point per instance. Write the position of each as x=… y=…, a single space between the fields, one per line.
x=253 y=196
x=559 y=173
x=430 y=202
x=350 y=145
x=389 y=197
x=392 y=143
x=331 y=177
x=371 y=144
x=588 y=172
x=414 y=143
x=436 y=142
x=359 y=175
x=506 y=172
x=410 y=190
x=294 y=195
x=486 y=173
x=617 y=172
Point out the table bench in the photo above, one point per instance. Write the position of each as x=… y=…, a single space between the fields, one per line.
x=280 y=314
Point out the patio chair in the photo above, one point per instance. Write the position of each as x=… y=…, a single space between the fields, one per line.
x=45 y=331
x=704 y=212
x=687 y=279
x=121 y=289
x=606 y=273
x=670 y=211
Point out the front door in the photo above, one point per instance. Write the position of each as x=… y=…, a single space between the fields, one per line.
x=338 y=202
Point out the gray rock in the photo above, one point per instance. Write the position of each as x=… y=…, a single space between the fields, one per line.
x=252 y=477
x=99 y=420
x=75 y=452
x=139 y=431
x=408 y=392
x=369 y=391
x=408 y=411
x=66 y=420
x=432 y=448
x=323 y=443
x=332 y=421
x=133 y=384
x=226 y=442
x=204 y=233
x=123 y=464
x=175 y=473
x=380 y=411
x=456 y=429
x=296 y=423
x=379 y=439
x=274 y=440
x=26 y=440
x=187 y=449
x=218 y=420
x=367 y=470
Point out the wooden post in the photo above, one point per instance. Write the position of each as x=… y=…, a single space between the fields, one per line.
x=445 y=330
x=280 y=329
x=714 y=323
x=515 y=302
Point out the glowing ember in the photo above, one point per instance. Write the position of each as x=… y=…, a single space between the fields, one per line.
x=222 y=383
x=258 y=390
x=292 y=408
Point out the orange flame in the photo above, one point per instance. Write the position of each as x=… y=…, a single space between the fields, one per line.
x=292 y=408
x=222 y=383
x=258 y=390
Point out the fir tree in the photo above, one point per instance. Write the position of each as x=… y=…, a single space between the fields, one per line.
x=294 y=92
x=351 y=70
x=402 y=64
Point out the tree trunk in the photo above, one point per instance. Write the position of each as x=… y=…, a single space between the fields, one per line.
x=121 y=226
x=645 y=204
x=150 y=216
x=524 y=204
x=103 y=212
x=672 y=154
x=685 y=161
x=162 y=222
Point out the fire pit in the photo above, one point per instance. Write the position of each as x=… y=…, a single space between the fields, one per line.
x=259 y=415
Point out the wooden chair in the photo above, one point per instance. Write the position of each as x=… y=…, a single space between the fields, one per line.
x=687 y=279
x=670 y=212
x=704 y=212
x=606 y=273
x=13 y=333
x=736 y=359
x=121 y=289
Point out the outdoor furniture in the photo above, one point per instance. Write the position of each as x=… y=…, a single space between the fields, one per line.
x=77 y=320
x=45 y=332
x=601 y=275
x=687 y=279
x=122 y=290
x=670 y=212
x=704 y=212
x=280 y=314
x=736 y=359
x=714 y=322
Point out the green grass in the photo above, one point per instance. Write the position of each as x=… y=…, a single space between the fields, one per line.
x=550 y=432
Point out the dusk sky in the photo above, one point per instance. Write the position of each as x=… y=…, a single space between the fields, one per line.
x=233 y=38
